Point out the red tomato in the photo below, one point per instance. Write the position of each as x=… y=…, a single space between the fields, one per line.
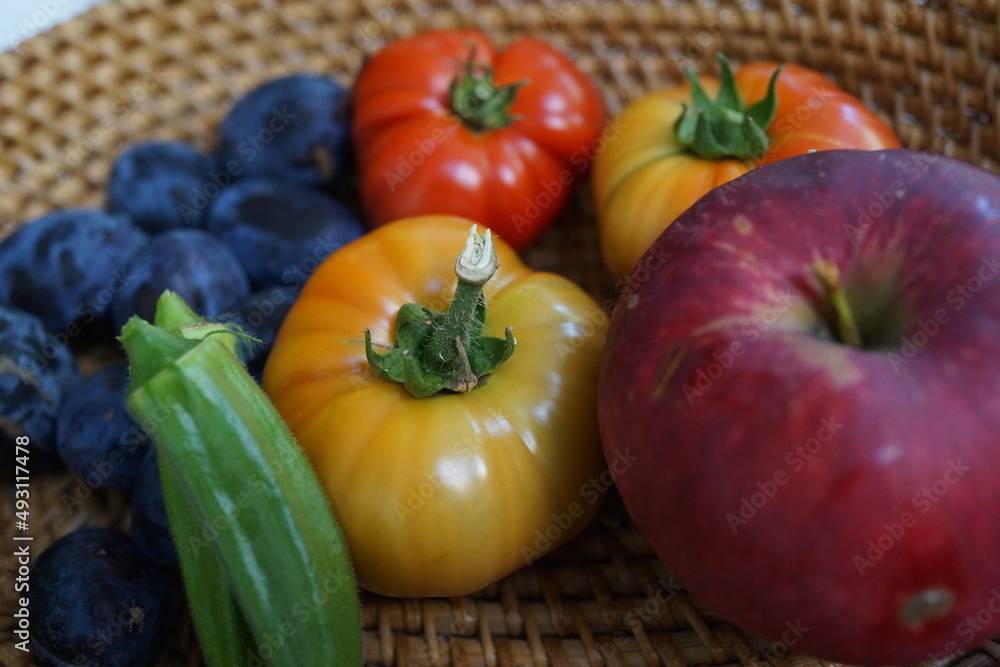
x=444 y=123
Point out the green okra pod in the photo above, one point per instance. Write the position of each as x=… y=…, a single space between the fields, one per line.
x=264 y=563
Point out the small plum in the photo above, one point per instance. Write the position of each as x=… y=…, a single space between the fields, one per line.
x=95 y=434
x=161 y=185
x=202 y=269
x=260 y=315
x=291 y=128
x=150 y=527
x=36 y=372
x=281 y=231
x=96 y=600
x=66 y=268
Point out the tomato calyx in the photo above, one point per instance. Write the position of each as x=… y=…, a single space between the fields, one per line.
x=842 y=320
x=725 y=128
x=478 y=102
x=446 y=352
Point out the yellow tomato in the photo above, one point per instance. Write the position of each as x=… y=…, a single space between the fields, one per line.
x=446 y=494
x=650 y=173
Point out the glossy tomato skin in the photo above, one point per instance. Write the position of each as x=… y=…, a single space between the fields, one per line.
x=417 y=157
x=443 y=495
x=645 y=178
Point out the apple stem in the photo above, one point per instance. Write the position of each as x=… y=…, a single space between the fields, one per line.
x=845 y=327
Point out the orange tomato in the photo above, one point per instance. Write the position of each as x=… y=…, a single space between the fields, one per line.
x=647 y=176
x=446 y=494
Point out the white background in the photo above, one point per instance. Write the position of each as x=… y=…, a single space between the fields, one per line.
x=23 y=19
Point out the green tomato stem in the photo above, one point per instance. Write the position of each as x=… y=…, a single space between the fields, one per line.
x=725 y=128
x=474 y=268
x=446 y=352
x=478 y=102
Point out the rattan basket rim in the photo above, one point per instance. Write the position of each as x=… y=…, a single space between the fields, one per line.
x=132 y=70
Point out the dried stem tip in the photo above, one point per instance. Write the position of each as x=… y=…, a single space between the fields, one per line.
x=478 y=261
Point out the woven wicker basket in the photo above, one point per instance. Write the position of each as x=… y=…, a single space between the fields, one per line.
x=132 y=70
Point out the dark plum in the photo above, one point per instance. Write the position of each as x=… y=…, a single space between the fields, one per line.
x=96 y=600
x=281 y=231
x=162 y=185
x=96 y=436
x=260 y=315
x=293 y=128
x=150 y=527
x=35 y=373
x=202 y=269
x=67 y=266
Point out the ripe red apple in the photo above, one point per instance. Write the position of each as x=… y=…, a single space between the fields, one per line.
x=810 y=385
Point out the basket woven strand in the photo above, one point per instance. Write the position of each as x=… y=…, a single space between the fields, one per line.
x=134 y=70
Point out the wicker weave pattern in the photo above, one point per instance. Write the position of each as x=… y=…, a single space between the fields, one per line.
x=134 y=70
